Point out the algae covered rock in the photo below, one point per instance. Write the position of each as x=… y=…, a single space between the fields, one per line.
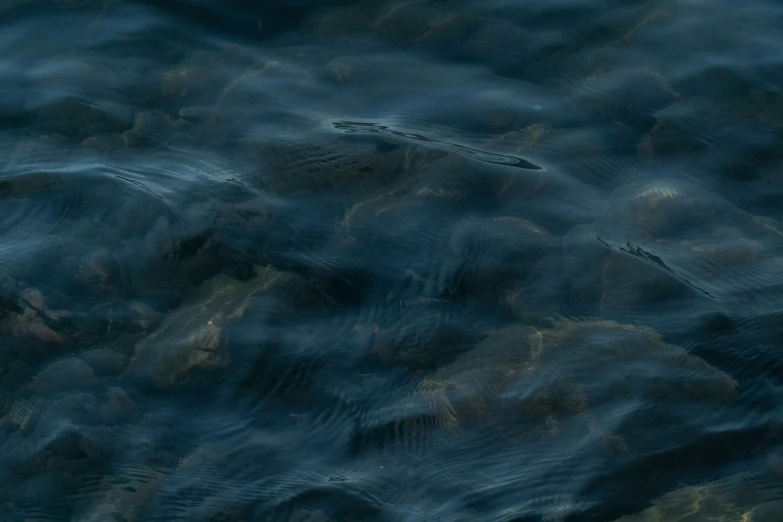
x=523 y=382
x=192 y=336
x=740 y=497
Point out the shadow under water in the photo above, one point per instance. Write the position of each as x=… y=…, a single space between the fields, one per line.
x=391 y=260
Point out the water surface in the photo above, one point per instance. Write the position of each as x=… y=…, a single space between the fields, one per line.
x=391 y=260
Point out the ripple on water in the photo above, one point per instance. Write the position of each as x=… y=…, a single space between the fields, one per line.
x=705 y=239
x=456 y=148
x=390 y=260
x=508 y=49
x=43 y=210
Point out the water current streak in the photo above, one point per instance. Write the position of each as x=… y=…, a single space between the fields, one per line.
x=648 y=257
x=487 y=157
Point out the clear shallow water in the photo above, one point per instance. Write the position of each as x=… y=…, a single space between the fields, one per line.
x=391 y=260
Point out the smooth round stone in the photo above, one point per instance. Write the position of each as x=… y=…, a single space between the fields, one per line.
x=105 y=361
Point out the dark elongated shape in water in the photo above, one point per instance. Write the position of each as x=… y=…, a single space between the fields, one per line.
x=654 y=260
x=487 y=157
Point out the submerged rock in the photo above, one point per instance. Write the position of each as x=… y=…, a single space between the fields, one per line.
x=105 y=361
x=491 y=253
x=30 y=317
x=128 y=499
x=668 y=208
x=74 y=118
x=62 y=375
x=695 y=236
x=103 y=273
x=323 y=162
x=424 y=24
x=192 y=336
x=739 y=497
x=526 y=382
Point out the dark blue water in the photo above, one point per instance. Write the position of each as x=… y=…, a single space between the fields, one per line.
x=404 y=260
